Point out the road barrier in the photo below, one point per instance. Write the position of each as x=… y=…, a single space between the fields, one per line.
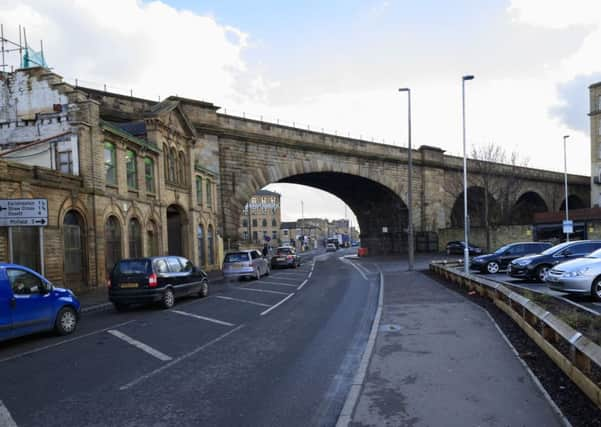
x=576 y=355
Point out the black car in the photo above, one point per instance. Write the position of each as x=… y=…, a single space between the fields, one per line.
x=155 y=279
x=285 y=256
x=535 y=267
x=500 y=259
x=456 y=247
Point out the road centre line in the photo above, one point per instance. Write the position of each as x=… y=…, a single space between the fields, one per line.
x=261 y=290
x=138 y=344
x=242 y=300
x=302 y=284
x=27 y=353
x=275 y=283
x=278 y=304
x=208 y=319
x=6 y=420
x=179 y=359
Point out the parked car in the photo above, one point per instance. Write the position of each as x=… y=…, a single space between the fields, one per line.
x=535 y=267
x=331 y=247
x=155 y=279
x=285 y=256
x=247 y=263
x=579 y=276
x=456 y=247
x=29 y=303
x=500 y=259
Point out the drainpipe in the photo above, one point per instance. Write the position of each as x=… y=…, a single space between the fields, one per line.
x=94 y=222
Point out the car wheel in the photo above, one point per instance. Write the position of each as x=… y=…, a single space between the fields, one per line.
x=204 y=290
x=596 y=289
x=168 y=300
x=492 y=267
x=120 y=306
x=66 y=321
x=541 y=272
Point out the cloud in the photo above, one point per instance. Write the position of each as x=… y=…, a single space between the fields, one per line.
x=574 y=102
x=556 y=14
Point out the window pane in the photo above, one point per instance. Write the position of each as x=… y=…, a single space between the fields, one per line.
x=135 y=239
x=149 y=174
x=26 y=247
x=209 y=195
x=130 y=161
x=109 y=163
x=23 y=283
x=199 y=190
x=65 y=164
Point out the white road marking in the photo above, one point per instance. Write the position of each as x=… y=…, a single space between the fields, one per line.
x=278 y=304
x=179 y=359
x=242 y=300
x=309 y=275
x=293 y=273
x=346 y=261
x=208 y=319
x=262 y=290
x=302 y=284
x=279 y=279
x=276 y=283
x=6 y=420
x=140 y=345
x=27 y=353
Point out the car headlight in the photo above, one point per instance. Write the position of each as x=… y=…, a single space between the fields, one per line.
x=522 y=262
x=576 y=273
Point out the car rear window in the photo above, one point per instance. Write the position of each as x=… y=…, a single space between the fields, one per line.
x=284 y=251
x=236 y=257
x=133 y=266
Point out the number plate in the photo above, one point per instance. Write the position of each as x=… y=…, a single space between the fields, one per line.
x=281 y=258
x=129 y=285
x=236 y=265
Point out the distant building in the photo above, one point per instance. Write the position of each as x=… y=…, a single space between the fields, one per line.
x=261 y=219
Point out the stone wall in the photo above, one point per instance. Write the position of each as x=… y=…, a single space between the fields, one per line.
x=499 y=236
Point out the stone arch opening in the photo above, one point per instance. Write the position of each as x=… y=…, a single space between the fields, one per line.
x=574 y=202
x=381 y=213
x=176 y=219
x=526 y=206
x=475 y=208
x=112 y=239
x=74 y=249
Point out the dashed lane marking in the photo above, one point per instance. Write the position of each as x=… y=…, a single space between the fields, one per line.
x=302 y=284
x=208 y=319
x=275 y=283
x=6 y=420
x=140 y=345
x=262 y=290
x=278 y=304
x=243 y=300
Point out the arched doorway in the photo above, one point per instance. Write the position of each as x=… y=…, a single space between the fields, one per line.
x=175 y=232
x=74 y=251
x=135 y=238
x=211 y=245
x=112 y=239
x=202 y=256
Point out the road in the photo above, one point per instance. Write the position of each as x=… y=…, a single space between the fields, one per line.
x=279 y=351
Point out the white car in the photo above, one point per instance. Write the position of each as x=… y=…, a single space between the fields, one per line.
x=247 y=263
x=330 y=247
x=578 y=276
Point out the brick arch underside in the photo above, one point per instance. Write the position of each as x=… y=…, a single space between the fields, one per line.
x=375 y=206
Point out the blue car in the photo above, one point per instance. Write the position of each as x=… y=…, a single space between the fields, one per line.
x=29 y=303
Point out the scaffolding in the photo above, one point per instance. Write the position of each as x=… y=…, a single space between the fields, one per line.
x=28 y=57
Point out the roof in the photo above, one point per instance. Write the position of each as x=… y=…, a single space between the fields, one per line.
x=575 y=214
x=116 y=130
x=266 y=193
x=136 y=128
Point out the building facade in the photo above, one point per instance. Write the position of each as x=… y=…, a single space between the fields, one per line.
x=261 y=219
x=124 y=177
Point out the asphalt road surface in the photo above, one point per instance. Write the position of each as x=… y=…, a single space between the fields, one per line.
x=279 y=351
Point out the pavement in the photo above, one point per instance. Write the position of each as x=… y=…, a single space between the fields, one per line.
x=439 y=359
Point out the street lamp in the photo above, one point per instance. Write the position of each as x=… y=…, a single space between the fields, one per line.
x=565 y=179
x=409 y=182
x=466 y=250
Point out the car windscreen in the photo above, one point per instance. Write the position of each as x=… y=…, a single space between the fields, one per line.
x=554 y=249
x=502 y=249
x=237 y=257
x=283 y=251
x=133 y=266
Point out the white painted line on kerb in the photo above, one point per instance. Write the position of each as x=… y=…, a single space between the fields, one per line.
x=208 y=319
x=262 y=290
x=302 y=284
x=242 y=300
x=309 y=275
x=146 y=348
x=355 y=267
x=6 y=420
x=275 y=283
x=583 y=307
x=278 y=304
x=179 y=359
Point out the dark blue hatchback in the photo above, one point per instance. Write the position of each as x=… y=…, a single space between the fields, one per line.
x=29 y=303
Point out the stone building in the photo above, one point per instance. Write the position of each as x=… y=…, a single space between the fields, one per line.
x=595 y=115
x=261 y=217
x=123 y=176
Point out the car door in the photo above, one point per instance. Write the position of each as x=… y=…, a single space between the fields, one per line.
x=258 y=262
x=32 y=306
x=514 y=252
x=6 y=301
x=189 y=279
x=176 y=279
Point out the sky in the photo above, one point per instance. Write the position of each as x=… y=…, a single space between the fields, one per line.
x=336 y=65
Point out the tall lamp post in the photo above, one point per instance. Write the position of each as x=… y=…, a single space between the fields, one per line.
x=565 y=179
x=409 y=182
x=466 y=249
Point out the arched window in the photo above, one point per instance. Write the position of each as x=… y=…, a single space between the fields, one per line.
x=264 y=222
x=74 y=247
x=172 y=166
x=244 y=222
x=112 y=239
x=166 y=161
x=152 y=239
x=254 y=222
x=202 y=259
x=135 y=239
x=274 y=223
x=132 y=170
x=149 y=174
x=210 y=244
x=110 y=164
x=182 y=168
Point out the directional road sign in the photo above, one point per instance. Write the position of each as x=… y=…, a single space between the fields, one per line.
x=23 y=212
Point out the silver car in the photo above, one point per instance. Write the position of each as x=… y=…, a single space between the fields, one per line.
x=579 y=276
x=246 y=263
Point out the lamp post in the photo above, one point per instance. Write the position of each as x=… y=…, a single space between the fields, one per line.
x=410 y=239
x=466 y=250
x=565 y=179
